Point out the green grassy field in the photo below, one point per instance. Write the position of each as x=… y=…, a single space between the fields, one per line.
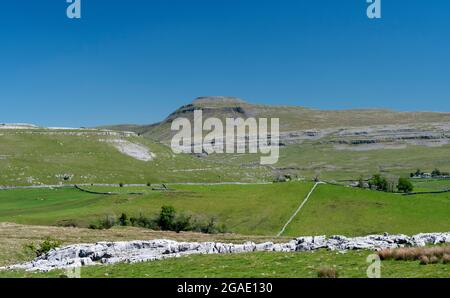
x=256 y=265
x=315 y=158
x=426 y=185
x=244 y=209
x=351 y=211
x=42 y=156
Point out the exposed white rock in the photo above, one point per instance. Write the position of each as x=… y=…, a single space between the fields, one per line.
x=142 y=251
x=137 y=151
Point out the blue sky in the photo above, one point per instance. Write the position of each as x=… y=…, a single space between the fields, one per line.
x=136 y=61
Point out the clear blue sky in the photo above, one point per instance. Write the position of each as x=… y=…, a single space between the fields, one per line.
x=136 y=61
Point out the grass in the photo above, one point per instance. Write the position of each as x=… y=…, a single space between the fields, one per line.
x=426 y=185
x=311 y=158
x=40 y=156
x=353 y=212
x=256 y=265
x=440 y=253
x=244 y=209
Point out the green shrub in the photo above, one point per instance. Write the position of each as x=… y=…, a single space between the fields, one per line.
x=404 y=185
x=379 y=182
x=105 y=224
x=210 y=227
x=166 y=218
x=123 y=220
x=44 y=247
x=182 y=223
x=144 y=222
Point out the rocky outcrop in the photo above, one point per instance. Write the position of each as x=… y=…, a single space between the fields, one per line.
x=142 y=251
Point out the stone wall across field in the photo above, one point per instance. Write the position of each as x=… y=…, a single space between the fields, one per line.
x=142 y=251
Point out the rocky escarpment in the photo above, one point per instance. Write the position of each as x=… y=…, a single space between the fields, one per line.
x=141 y=251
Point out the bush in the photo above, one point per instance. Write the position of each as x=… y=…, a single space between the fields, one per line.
x=210 y=227
x=436 y=173
x=361 y=182
x=44 y=247
x=327 y=272
x=144 y=222
x=182 y=224
x=123 y=220
x=404 y=185
x=105 y=224
x=166 y=218
x=379 y=182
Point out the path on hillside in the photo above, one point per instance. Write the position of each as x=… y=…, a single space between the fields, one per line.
x=299 y=208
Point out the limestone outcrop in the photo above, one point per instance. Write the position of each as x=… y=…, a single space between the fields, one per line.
x=142 y=251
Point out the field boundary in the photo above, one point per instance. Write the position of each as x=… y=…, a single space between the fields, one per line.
x=95 y=192
x=299 y=208
x=130 y=185
x=426 y=193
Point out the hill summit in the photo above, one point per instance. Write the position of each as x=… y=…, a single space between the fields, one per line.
x=218 y=100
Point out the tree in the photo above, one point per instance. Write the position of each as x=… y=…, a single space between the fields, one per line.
x=404 y=185
x=436 y=173
x=123 y=220
x=361 y=182
x=166 y=218
x=379 y=182
x=418 y=173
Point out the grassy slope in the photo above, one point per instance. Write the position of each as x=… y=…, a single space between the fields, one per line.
x=245 y=209
x=258 y=265
x=308 y=159
x=350 y=211
x=345 y=164
x=90 y=160
x=426 y=185
x=292 y=117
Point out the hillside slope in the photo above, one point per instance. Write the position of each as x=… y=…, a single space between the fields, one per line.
x=337 y=144
x=300 y=121
x=34 y=156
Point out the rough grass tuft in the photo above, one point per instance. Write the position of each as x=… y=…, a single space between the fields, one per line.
x=327 y=272
x=430 y=255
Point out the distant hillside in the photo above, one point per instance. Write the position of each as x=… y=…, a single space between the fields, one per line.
x=30 y=155
x=336 y=144
x=292 y=119
x=332 y=144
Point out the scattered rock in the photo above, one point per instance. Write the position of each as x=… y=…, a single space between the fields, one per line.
x=142 y=251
